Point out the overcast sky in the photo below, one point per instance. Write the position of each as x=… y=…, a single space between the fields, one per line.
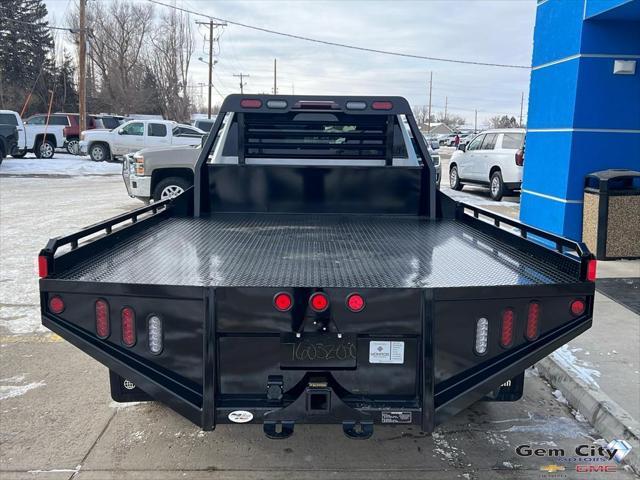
x=485 y=31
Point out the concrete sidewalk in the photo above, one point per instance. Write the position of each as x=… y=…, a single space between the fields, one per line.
x=599 y=371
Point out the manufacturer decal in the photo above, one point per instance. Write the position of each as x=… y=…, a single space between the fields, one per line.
x=240 y=416
x=396 y=417
x=386 y=352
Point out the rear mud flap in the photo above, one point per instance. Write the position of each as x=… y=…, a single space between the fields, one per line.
x=123 y=390
x=510 y=391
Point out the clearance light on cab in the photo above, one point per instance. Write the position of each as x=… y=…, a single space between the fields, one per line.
x=250 y=103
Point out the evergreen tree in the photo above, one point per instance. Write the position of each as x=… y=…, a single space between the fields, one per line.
x=26 y=51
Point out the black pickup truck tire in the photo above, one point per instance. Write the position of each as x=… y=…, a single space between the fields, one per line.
x=73 y=146
x=18 y=153
x=170 y=187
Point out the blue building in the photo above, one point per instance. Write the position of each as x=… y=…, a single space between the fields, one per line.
x=584 y=105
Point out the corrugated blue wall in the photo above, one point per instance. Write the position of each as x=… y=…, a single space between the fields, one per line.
x=582 y=118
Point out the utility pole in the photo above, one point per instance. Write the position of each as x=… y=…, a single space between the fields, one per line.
x=446 y=104
x=275 y=76
x=429 y=117
x=521 y=107
x=242 y=83
x=211 y=24
x=82 y=69
x=475 y=122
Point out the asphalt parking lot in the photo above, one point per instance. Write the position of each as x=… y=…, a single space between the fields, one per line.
x=57 y=420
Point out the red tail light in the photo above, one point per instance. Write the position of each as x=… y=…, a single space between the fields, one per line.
x=382 y=105
x=43 y=266
x=578 y=307
x=520 y=157
x=591 y=270
x=506 y=337
x=355 y=302
x=128 y=318
x=56 y=305
x=283 y=301
x=533 y=319
x=250 y=103
x=319 y=302
x=102 y=318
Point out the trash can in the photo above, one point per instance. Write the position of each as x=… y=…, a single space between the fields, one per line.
x=611 y=215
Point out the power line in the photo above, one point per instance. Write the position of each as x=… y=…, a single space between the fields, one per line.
x=52 y=27
x=342 y=45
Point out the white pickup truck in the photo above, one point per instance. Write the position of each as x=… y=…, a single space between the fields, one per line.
x=37 y=134
x=135 y=135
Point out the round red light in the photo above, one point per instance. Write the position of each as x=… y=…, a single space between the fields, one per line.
x=56 y=305
x=282 y=301
x=578 y=307
x=319 y=302
x=355 y=302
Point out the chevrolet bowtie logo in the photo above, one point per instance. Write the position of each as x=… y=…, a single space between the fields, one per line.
x=552 y=468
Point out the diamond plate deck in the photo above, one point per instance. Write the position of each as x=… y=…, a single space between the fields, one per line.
x=315 y=251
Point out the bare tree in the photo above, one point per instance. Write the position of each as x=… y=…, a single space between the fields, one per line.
x=451 y=120
x=172 y=47
x=118 y=40
x=421 y=114
x=503 y=121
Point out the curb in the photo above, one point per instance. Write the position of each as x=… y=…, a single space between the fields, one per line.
x=605 y=415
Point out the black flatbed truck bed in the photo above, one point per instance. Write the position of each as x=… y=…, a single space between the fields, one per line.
x=182 y=299
x=262 y=250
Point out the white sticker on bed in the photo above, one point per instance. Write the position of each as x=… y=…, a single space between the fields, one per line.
x=386 y=352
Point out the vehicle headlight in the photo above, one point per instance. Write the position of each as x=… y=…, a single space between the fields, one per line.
x=139 y=163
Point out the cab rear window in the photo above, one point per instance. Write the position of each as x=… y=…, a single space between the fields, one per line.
x=8 y=119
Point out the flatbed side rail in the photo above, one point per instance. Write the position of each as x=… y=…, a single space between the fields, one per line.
x=561 y=245
x=99 y=231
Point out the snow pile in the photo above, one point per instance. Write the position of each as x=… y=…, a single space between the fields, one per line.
x=580 y=369
x=60 y=164
x=11 y=391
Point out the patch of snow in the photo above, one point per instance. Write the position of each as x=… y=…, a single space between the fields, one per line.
x=578 y=416
x=578 y=368
x=119 y=406
x=60 y=164
x=16 y=379
x=551 y=427
x=560 y=397
x=508 y=465
x=11 y=391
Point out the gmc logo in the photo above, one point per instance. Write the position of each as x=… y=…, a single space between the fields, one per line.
x=595 y=468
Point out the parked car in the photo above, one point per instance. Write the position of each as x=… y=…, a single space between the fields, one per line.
x=40 y=134
x=135 y=135
x=493 y=158
x=8 y=140
x=72 y=132
x=205 y=124
x=448 y=140
x=321 y=285
x=158 y=173
x=108 y=122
